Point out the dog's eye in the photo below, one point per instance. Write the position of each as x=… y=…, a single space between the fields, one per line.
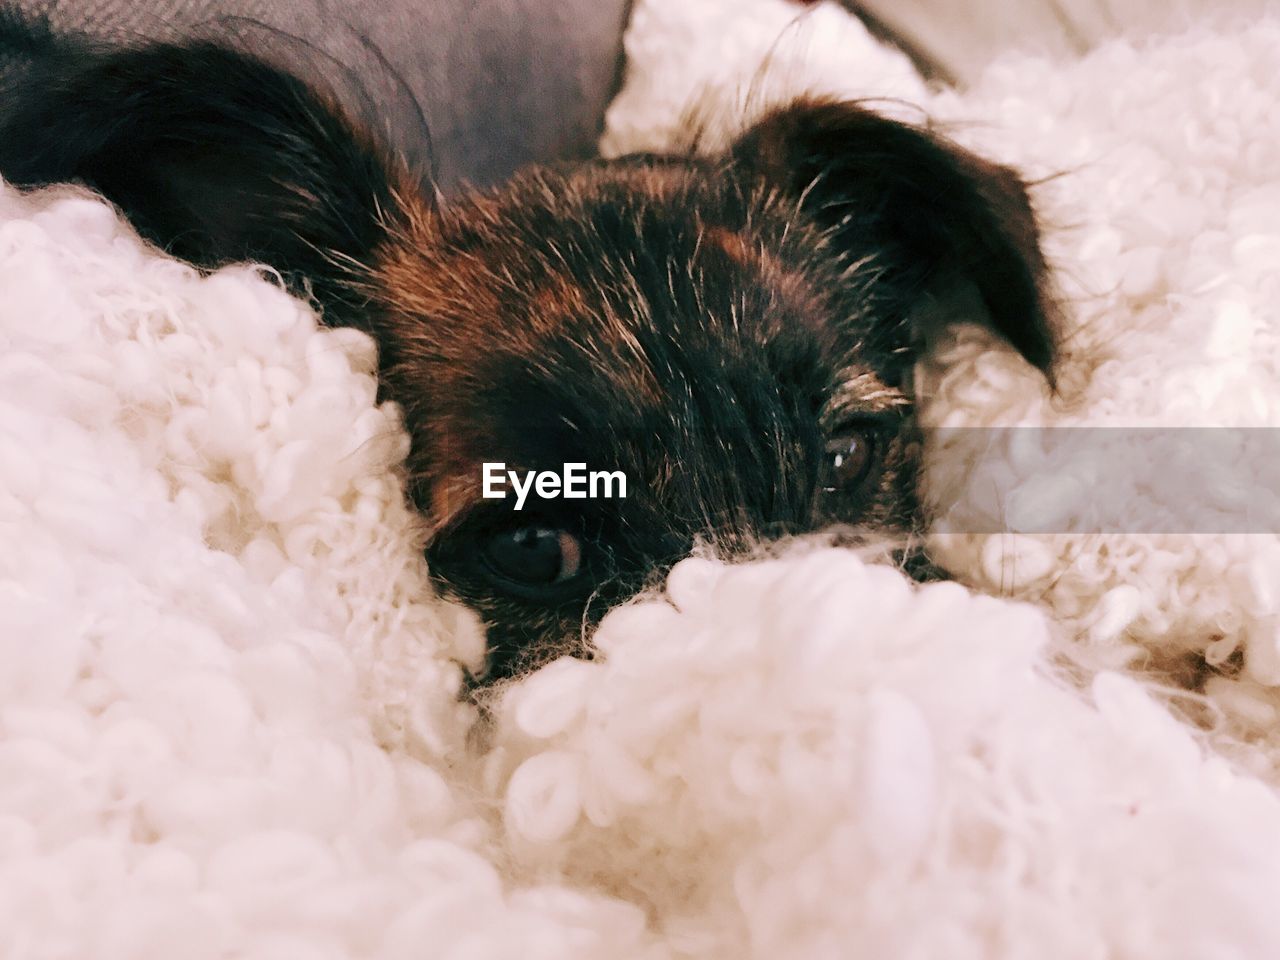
x=851 y=458
x=534 y=556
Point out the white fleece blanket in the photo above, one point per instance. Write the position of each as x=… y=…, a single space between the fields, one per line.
x=228 y=714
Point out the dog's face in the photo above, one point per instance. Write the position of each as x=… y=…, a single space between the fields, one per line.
x=659 y=319
x=731 y=334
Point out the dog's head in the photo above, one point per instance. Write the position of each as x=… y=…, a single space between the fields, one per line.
x=732 y=334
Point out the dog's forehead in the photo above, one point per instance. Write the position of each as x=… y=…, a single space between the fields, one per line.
x=597 y=218
x=655 y=321
x=652 y=301
x=670 y=261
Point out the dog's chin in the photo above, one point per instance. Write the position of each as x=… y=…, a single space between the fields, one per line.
x=521 y=638
x=871 y=543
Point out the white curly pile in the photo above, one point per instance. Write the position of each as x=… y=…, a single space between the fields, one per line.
x=229 y=723
x=1156 y=169
x=1166 y=231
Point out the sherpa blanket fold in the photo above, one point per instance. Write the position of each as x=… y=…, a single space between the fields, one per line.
x=229 y=712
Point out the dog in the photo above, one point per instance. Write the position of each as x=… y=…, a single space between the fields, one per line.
x=732 y=333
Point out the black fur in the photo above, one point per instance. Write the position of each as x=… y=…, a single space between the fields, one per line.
x=215 y=156
x=933 y=214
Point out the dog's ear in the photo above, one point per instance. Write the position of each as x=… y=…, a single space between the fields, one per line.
x=212 y=154
x=925 y=217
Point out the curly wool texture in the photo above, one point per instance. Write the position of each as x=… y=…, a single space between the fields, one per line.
x=1166 y=231
x=810 y=758
x=213 y=621
x=228 y=714
x=1155 y=169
